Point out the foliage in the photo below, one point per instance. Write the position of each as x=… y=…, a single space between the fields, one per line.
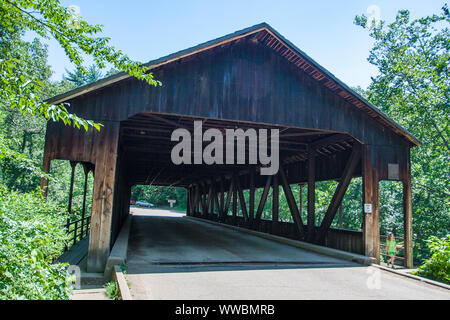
x=112 y=290
x=412 y=87
x=159 y=195
x=50 y=19
x=437 y=267
x=31 y=237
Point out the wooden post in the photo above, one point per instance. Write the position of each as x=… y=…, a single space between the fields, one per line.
x=340 y=216
x=235 y=205
x=83 y=213
x=229 y=197
x=263 y=199
x=241 y=198
x=188 y=201
x=73 y=164
x=275 y=203
x=407 y=215
x=311 y=196
x=251 y=200
x=222 y=198
x=371 y=229
x=292 y=203
x=106 y=148
x=46 y=163
x=355 y=159
x=300 y=200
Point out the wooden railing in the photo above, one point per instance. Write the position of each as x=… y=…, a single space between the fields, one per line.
x=79 y=230
x=399 y=248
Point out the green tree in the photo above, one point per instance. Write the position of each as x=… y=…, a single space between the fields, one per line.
x=412 y=87
x=48 y=18
x=80 y=77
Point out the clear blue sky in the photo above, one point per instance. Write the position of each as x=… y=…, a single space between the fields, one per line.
x=148 y=29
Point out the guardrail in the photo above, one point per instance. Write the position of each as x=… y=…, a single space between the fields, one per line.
x=399 y=248
x=79 y=228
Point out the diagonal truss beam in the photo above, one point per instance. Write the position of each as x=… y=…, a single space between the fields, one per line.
x=336 y=201
x=291 y=203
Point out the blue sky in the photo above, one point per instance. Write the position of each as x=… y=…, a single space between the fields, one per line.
x=324 y=30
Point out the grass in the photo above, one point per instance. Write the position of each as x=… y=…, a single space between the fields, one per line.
x=112 y=290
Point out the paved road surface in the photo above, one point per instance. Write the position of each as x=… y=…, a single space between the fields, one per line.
x=174 y=257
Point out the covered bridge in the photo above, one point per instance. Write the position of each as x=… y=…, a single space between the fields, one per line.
x=253 y=78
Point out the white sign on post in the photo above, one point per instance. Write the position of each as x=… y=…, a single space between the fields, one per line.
x=367 y=208
x=171 y=202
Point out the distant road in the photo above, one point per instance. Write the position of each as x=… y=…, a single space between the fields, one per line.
x=173 y=257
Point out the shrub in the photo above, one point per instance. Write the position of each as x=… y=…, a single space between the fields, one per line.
x=437 y=267
x=31 y=237
x=112 y=290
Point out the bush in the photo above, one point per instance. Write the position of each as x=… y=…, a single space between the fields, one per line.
x=112 y=290
x=31 y=238
x=437 y=267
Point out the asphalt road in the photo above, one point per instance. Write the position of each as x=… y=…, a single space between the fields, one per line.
x=173 y=257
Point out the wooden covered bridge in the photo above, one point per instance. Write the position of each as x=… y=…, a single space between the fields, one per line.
x=253 y=78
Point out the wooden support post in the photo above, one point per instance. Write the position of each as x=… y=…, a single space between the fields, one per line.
x=216 y=202
x=292 y=203
x=106 y=148
x=371 y=229
x=300 y=200
x=73 y=164
x=87 y=169
x=210 y=202
x=340 y=216
x=338 y=195
x=197 y=199
x=251 y=200
x=241 y=199
x=407 y=216
x=311 y=217
x=263 y=200
x=229 y=197
x=235 y=205
x=188 y=201
x=46 y=164
x=222 y=198
x=275 y=203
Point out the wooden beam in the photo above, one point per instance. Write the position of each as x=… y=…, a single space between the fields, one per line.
x=229 y=197
x=291 y=203
x=335 y=138
x=234 y=207
x=73 y=165
x=251 y=200
x=311 y=216
x=300 y=198
x=275 y=203
x=106 y=148
x=222 y=197
x=371 y=227
x=407 y=214
x=241 y=198
x=336 y=201
x=263 y=200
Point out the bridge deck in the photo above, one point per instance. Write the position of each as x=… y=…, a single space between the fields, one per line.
x=172 y=257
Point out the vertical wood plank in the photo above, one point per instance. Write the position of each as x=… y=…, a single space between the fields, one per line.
x=103 y=197
x=371 y=230
x=407 y=215
x=311 y=217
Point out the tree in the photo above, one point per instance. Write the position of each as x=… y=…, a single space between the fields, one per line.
x=80 y=77
x=48 y=18
x=412 y=87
